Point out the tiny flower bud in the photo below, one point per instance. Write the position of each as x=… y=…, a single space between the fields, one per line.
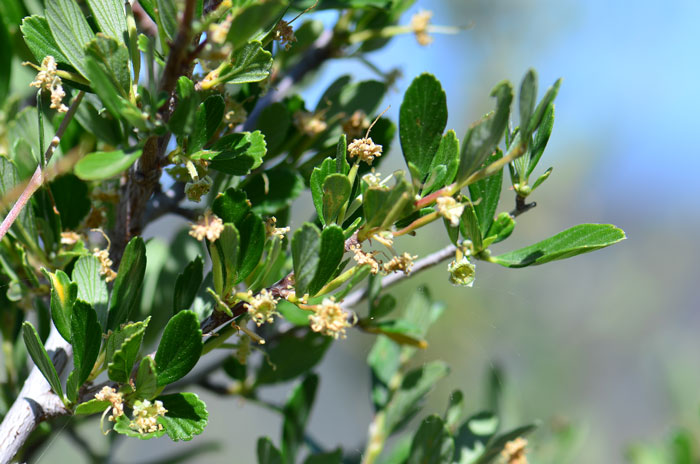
x=448 y=208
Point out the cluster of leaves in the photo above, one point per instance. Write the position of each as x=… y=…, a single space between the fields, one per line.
x=209 y=64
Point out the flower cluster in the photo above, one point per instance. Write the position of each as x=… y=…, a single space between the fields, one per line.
x=285 y=34
x=356 y=125
x=209 y=226
x=514 y=451
x=310 y=124
x=450 y=209
x=330 y=319
x=219 y=32
x=419 y=24
x=365 y=258
x=262 y=307
x=47 y=79
x=105 y=264
x=115 y=398
x=365 y=149
x=403 y=263
x=146 y=416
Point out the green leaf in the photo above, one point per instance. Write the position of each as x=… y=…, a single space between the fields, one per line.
x=291 y=357
x=267 y=453
x=336 y=193
x=382 y=306
x=252 y=244
x=527 y=100
x=91 y=286
x=146 y=382
x=186 y=417
x=544 y=105
x=341 y=156
x=110 y=16
x=252 y=63
x=251 y=20
x=500 y=229
x=579 y=239
x=331 y=457
x=231 y=206
x=306 y=243
x=470 y=227
x=112 y=57
x=432 y=443
x=40 y=357
x=86 y=338
x=183 y=118
x=318 y=177
x=272 y=190
x=187 y=285
x=236 y=154
x=37 y=36
x=485 y=194
x=293 y=313
x=473 y=436
x=405 y=402
x=179 y=348
x=207 y=121
x=91 y=407
x=400 y=453
x=383 y=207
x=454 y=410
x=444 y=165
x=483 y=137
x=102 y=165
x=63 y=296
x=422 y=120
x=128 y=283
x=329 y=257
x=71 y=197
x=5 y=62
x=296 y=414
x=71 y=31
x=224 y=258
x=123 y=359
x=116 y=339
x=544 y=131
x=167 y=14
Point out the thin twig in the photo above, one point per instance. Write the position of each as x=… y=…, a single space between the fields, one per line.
x=429 y=261
x=521 y=206
x=38 y=176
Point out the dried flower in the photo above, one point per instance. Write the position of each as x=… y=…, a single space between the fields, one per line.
x=330 y=319
x=384 y=237
x=310 y=124
x=285 y=34
x=462 y=272
x=271 y=229
x=419 y=24
x=450 y=209
x=262 y=307
x=365 y=258
x=514 y=451
x=47 y=79
x=356 y=125
x=146 y=416
x=196 y=189
x=115 y=398
x=105 y=264
x=400 y=263
x=209 y=226
x=365 y=149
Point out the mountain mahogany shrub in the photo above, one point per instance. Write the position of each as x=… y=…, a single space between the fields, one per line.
x=188 y=107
